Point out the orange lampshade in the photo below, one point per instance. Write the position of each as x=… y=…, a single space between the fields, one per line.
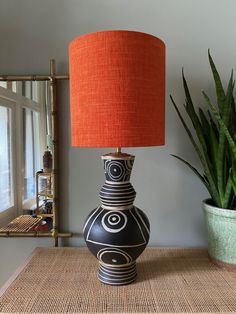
x=117 y=89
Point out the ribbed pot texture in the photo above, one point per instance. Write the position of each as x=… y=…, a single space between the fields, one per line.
x=221 y=228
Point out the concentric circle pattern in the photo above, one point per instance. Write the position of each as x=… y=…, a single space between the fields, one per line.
x=114 y=256
x=118 y=170
x=114 y=221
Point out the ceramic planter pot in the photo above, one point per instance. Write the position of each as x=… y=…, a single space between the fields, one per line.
x=221 y=228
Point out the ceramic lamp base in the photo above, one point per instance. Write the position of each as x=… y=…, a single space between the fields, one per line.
x=117 y=232
x=121 y=275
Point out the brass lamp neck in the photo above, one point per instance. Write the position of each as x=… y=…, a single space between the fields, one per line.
x=118 y=155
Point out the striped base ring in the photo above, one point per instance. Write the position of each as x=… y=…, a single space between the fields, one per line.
x=115 y=276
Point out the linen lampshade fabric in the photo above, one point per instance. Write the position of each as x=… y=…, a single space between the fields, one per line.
x=117 y=89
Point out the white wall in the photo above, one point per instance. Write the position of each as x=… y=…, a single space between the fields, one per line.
x=33 y=31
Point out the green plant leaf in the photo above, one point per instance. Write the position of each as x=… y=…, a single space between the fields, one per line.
x=223 y=126
x=233 y=181
x=214 y=147
x=218 y=84
x=211 y=141
x=188 y=131
x=232 y=125
x=212 y=187
x=194 y=170
x=213 y=125
x=233 y=171
x=216 y=139
x=228 y=192
x=205 y=125
x=225 y=108
x=189 y=107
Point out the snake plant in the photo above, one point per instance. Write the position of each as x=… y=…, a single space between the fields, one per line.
x=230 y=133
x=214 y=140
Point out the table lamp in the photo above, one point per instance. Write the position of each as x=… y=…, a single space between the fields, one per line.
x=117 y=96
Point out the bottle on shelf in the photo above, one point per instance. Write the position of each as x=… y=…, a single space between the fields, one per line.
x=47 y=161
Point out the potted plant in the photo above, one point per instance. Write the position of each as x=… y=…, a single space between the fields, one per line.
x=214 y=143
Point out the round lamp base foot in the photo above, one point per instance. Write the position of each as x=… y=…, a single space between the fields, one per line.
x=117 y=275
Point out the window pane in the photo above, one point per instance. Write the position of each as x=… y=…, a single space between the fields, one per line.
x=27 y=89
x=35 y=86
x=9 y=85
x=3 y=84
x=14 y=87
x=32 y=155
x=6 y=186
x=30 y=90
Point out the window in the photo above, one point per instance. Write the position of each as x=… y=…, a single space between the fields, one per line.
x=31 y=151
x=22 y=142
x=6 y=173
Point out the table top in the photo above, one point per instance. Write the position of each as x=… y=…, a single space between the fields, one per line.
x=170 y=280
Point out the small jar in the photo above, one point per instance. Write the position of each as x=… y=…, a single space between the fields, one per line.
x=47 y=206
x=47 y=161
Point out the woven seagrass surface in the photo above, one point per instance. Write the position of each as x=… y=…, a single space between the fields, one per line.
x=22 y=223
x=64 y=280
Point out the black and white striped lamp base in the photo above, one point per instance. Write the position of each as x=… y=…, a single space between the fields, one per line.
x=117 y=232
